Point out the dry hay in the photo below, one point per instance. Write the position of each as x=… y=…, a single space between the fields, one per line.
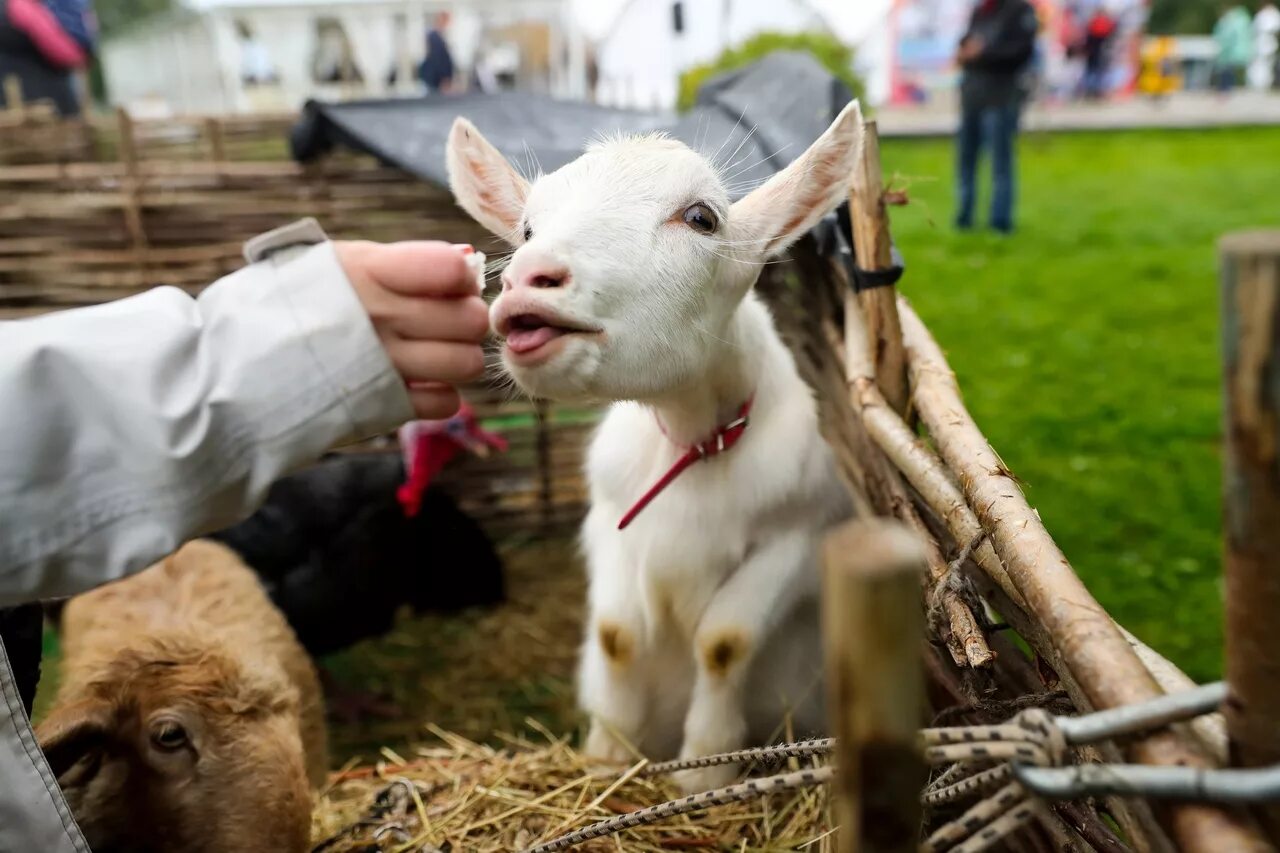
x=470 y=677
x=464 y=796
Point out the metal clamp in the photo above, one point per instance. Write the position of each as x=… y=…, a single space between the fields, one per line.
x=832 y=236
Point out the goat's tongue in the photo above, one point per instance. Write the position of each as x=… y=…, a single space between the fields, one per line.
x=529 y=339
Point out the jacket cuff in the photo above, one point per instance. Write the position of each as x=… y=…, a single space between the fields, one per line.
x=340 y=338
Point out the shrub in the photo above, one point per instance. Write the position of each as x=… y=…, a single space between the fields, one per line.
x=827 y=49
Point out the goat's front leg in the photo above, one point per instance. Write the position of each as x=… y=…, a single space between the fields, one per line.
x=740 y=617
x=611 y=685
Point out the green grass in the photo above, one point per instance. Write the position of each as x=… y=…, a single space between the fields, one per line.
x=1087 y=347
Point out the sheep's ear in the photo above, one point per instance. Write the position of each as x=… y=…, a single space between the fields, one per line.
x=71 y=733
x=791 y=202
x=484 y=184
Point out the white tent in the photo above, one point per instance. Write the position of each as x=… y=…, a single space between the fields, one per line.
x=212 y=55
x=644 y=45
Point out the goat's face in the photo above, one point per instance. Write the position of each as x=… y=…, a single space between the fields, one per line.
x=175 y=749
x=630 y=261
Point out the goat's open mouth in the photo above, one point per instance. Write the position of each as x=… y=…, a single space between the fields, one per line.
x=528 y=333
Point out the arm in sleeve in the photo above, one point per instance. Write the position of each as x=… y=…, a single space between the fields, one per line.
x=130 y=427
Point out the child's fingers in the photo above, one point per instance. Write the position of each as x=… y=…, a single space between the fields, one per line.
x=436 y=361
x=435 y=402
x=415 y=267
x=464 y=319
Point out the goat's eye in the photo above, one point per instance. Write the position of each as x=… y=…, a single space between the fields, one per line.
x=700 y=218
x=168 y=735
x=528 y=233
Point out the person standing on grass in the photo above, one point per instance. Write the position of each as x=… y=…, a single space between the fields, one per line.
x=1097 y=42
x=437 y=68
x=1233 y=35
x=993 y=56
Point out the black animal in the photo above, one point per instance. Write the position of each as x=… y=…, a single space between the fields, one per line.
x=339 y=557
x=21 y=633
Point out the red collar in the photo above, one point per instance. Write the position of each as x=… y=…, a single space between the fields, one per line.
x=724 y=438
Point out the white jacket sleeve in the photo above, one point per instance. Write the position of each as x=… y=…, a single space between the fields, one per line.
x=130 y=427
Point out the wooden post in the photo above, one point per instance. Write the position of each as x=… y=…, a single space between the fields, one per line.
x=13 y=98
x=873 y=248
x=131 y=185
x=874 y=627
x=1251 y=352
x=217 y=142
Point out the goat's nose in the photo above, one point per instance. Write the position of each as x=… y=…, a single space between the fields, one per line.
x=538 y=270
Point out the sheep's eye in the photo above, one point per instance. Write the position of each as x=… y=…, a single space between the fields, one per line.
x=700 y=218
x=528 y=233
x=169 y=736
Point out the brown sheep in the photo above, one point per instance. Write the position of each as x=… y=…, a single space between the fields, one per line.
x=189 y=718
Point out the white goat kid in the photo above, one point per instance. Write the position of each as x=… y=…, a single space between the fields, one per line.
x=631 y=283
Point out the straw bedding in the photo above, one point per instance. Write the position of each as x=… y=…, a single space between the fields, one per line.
x=464 y=796
x=490 y=729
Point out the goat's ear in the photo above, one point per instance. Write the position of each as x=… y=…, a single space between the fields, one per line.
x=71 y=733
x=484 y=184
x=791 y=202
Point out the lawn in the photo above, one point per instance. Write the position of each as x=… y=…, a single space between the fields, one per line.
x=1087 y=347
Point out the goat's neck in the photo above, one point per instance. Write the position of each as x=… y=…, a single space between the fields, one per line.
x=732 y=374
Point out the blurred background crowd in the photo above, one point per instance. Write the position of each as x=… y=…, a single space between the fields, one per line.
x=161 y=57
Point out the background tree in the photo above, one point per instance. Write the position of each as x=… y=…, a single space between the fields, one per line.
x=1185 y=17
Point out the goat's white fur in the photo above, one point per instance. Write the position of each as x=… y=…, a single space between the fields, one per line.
x=703 y=632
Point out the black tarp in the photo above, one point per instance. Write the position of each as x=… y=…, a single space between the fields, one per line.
x=752 y=121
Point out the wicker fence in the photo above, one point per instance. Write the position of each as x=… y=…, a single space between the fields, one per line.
x=92 y=211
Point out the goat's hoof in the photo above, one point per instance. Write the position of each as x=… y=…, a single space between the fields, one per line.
x=706 y=778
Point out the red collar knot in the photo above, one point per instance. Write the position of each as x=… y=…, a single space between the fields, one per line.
x=723 y=439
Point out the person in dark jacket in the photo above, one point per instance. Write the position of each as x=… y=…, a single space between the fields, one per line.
x=1097 y=44
x=437 y=68
x=993 y=55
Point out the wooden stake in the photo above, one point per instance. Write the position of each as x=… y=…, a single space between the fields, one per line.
x=874 y=625
x=131 y=185
x=217 y=142
x=1251 y=351
x=873 y=247
x=1089 y=643
x=13 y=98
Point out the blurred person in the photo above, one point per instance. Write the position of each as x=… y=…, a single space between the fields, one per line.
x=993 y=55
x=130 y=427
x=1098 y=33
x=256 y=67
x=483 y=78
x=44 y=43
x=1263 y=71
x=437 y=69
x=1233 y=35
x=1071 y=37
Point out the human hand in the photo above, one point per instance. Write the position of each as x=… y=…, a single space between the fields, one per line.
x=426 y=308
